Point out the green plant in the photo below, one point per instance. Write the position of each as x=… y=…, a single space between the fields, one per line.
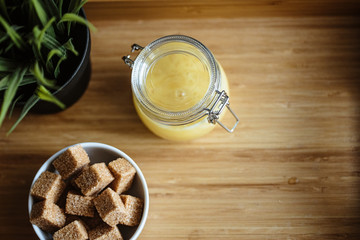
x=35 y=39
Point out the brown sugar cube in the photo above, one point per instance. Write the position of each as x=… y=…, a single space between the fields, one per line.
x=79 y=205
x=124 y=174
x=71 y=161
x=110 y=207
x=105 y=232
x=93 y=222
x=84 y=220
x=73 y=231
x=134 y=208
x=48 y=186
x=47 y=216
x=94 y=179
x=76 y=175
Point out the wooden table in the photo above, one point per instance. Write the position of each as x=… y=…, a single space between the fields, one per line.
x=291 y=170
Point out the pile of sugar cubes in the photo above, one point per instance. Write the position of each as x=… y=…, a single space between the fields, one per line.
x=93 y=198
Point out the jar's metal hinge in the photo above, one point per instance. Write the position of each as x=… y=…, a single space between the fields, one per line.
x=214 y=113
x=128 y=61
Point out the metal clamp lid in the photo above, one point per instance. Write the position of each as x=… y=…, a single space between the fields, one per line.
x=128 y=61
x=221 y=102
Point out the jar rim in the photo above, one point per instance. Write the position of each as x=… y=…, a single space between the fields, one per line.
x=174 y=117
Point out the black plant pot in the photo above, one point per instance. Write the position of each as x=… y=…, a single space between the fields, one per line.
x=75 y=73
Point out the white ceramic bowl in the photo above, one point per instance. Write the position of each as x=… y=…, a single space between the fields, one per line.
x=99 y=152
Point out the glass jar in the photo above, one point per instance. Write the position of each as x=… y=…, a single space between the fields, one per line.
x=179 y=90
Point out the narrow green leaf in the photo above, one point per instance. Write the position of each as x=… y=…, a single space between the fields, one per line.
x=28 y=105
x=71 y=17
x=61 y=26
x=80 y=5
x=13 y=84
x=41 y=14
x=3 y=9
x=71 y=9
x=28 y=80
x=4 y=82
x=70 y=46
x=51 y=8
x=55 y=52
x=57 y=68
x=46 y=95
x=52 y=43
x=15 y=37
x=60 y=6
x=43 y=32
x=55 y=49
x=32 y=16
x=8 y=65
x=49 y=63
x=39 y=75
x=73 y=5
x=38 y=54
x=13 y=105
x=36 y=46
x=36 y=31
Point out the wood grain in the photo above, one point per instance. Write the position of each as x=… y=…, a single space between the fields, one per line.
x=163 y=9
x=290 y=171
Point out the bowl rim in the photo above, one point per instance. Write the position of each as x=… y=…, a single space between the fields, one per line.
x=48 y=162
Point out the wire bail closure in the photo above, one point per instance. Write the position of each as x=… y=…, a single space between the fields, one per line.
x=221 y=102
x=127 y=60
